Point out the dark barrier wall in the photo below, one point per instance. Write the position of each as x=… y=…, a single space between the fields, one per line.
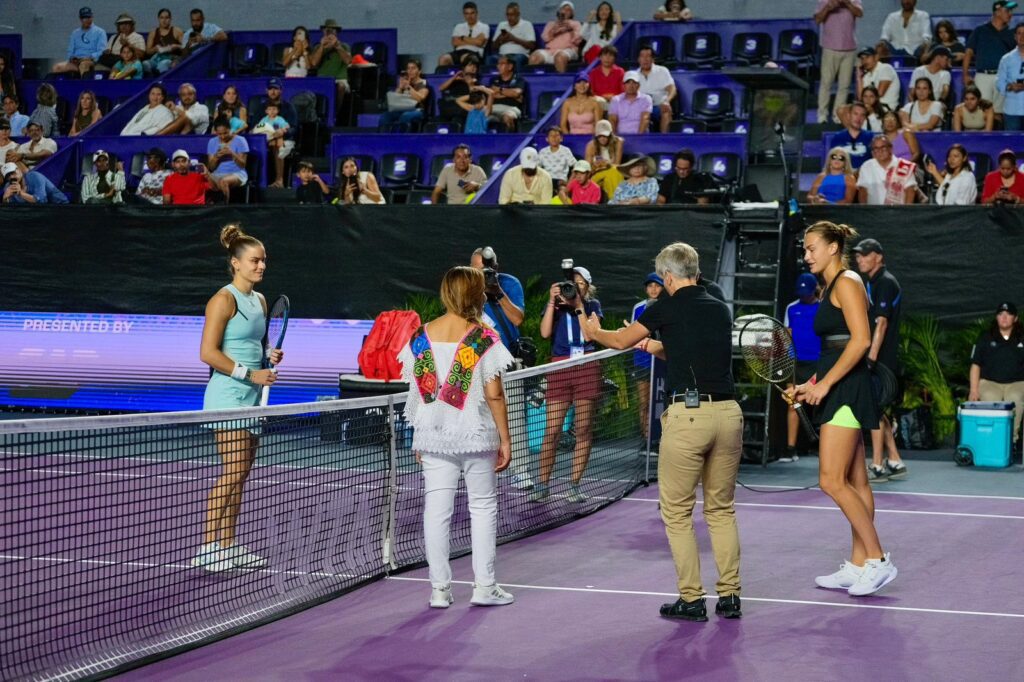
x=356 y=261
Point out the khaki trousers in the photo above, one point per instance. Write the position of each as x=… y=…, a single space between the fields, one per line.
x=986 y=82
x=701 y=444
x=990 y=391
x=836 y=67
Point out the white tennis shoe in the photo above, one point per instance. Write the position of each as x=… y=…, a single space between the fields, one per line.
x=241 y=557
x=877 y=574
x=441 y=597
x=212 y=558
x=843 y=579
x=490 y=595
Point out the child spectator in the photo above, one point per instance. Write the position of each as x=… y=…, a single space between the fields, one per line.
x=477 y=105
x=580 y=189
x=275 y=127
x=225 y=110
x=556 y=159
x=46 y=112
x=128 y=67
x=312 y=189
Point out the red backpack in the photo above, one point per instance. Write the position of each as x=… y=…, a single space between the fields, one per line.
x=392 y=329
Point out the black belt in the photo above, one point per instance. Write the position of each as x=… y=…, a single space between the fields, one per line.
x=704 y=397
x=990 y=73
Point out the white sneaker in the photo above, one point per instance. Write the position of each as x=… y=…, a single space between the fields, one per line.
x=490 y=595
x=441 y=597
x=243 y=558
x=522 y=482
x=212 y=558
x=843 y=579
x=877 y=574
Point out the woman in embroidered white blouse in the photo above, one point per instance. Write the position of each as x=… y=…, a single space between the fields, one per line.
x=456 y=405
x=957 y=184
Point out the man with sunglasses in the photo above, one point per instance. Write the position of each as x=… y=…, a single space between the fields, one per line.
x=886 y=180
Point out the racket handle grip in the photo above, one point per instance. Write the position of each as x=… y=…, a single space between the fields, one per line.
x=265 y=391
x=805 y=421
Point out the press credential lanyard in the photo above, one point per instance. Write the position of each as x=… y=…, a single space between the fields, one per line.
x=575 y=351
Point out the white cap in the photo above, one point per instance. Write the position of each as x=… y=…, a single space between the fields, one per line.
x=603 y=127
x=8 y=168
x=528 y=158
x=566 y=3
x=631 y=76
x=178 y=153
x=98 y=153
x=584 y=273
x=581 y=166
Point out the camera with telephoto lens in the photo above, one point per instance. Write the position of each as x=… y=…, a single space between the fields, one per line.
x=567 y=290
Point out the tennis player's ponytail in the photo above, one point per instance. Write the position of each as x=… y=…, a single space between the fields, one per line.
x=462 y=293
x=835 y=233
x=236 y=242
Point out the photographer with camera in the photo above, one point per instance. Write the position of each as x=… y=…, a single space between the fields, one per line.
x=570 y=302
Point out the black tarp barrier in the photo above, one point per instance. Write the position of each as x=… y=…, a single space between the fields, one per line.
x=352 y=262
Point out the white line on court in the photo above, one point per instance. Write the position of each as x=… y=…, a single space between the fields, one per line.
x=877 y=511
x=744 y=598
x=901 y=492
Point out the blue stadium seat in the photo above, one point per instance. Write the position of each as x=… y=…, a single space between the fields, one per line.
x=400 y=169
x=712 y=105
x=249 y=58
x=725 y=166
x=492 y=163
x=664 y=162
x=702 y=50
x=277 y=51
x=751 y=48
x=437 y=164
x=364 y=161
x=374 y=52
x=442 y=127
x=981 y=164
x=547 y=101
x=799 y=46
x=664 y=48
x=688 y=126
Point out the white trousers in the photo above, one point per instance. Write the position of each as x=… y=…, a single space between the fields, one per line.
x=440 y=481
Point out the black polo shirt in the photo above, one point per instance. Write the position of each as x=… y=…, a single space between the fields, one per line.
x=677 y=190
x=886 y=298
x=989 y=46
x=696 y=330
x=513 y=83
x=1001 y=360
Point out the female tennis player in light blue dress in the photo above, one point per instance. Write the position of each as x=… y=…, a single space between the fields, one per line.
x=232 y=346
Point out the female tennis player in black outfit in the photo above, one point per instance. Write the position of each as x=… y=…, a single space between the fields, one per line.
x=841 y=388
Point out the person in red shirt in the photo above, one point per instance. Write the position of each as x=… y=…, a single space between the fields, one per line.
x=184 y=188
x=1005 y=185
x=580 y=189
x=606 y=77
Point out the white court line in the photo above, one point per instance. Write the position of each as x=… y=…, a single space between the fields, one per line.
x=877 y=511
x=744 y=598
x=900 y=492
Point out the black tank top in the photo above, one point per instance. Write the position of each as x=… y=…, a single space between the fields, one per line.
x=829 y=320
x=166 y=39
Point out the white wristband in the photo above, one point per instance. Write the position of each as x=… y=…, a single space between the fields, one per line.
x=239 y=372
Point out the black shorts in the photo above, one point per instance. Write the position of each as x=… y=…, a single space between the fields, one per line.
x=804 y=371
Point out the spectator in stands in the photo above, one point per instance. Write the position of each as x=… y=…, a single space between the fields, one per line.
x=946 y=36
x=46 y=110
x=985 y=49
x=7 y=145
x=84 y=48
x=603 y=25
x=358 y=187
x=838 y=21
x=296 y=56
x=556 y=159
x=606 y=78
x=526 y=183
x=658 y=84
x=151 y=186
x=38 y=148
x=957 y=184
x=164 y=46
x=477 y=106
x=406 y=104
x=331 y=57
x=886 y=180
x=923 y=113
x=275 y=128
x=973 y=113
x=468 y=38
x=458 y=84
x=630 y=112
x=508 y=91
x=311 y=188
x=685 y=185
x=907 y=32
x=238 y=126
x=936 y=70
x=8 y=86
x=226 y=157
x=202 y=33
x=580 y=189
x=876 y=110
x=562 y=38
x=581 y=111
x=153 y=117
x=604 y=154
x=86 y=113
x=673 y=10
x=230 y=98
x=28 y=188
x=904 y=141
x=104 y=186
x=1010 y=83
x=853 y=138
x=639 y=186
x=514 y=38
x=128 y=67
x=460 y=179
x=184 y=187
x=837 y=183
x=997 y=364
x=126 y=35
x=1005 y=185
x=190 y=115
x=288 y=113
x=879 y=74
x=17 y=119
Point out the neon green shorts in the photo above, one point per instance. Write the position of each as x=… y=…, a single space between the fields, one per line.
x=844 y=417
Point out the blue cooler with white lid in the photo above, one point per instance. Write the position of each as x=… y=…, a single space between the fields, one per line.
x=987 y=429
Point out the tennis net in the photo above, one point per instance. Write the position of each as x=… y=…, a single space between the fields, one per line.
x=103 y=516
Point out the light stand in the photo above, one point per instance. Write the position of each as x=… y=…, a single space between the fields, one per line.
x=780 y=131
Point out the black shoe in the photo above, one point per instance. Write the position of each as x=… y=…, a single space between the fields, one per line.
x=729 y=607
x=686 y=610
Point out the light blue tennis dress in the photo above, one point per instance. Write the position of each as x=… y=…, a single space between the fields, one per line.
x=243 y=342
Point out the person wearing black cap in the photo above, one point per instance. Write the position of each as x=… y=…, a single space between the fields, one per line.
x=654 y=287
x=885 y=297
x=937 y=71
x=799 y=319
x=84 y=48
x=985 y=47
x=702 y=427
x=875 y=72
x=997 y=364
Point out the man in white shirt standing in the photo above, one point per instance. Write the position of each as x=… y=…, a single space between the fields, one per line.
x=514 y=38
x=884 y=179
x=657 y=83
x=468 y=38
x=937 y=71
x=879 y=74
x=907 y=32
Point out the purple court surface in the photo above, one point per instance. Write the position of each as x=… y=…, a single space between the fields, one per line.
x=587 y=598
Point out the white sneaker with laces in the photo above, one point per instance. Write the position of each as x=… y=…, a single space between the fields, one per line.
x=212 y=558
x=843 y=579
x=490 y=595
x=441 y=597
x=243 y=558
x=877 y=574
x=522 y=482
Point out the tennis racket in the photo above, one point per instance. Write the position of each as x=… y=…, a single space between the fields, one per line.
x=277 y=325
x=767 y=348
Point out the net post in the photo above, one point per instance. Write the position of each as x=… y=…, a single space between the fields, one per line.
x=388 y=531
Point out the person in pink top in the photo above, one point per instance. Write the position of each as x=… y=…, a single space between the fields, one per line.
x=580 y=189
x=582 y=110
x=562 y=38
x=838 y=21
x=606 y=77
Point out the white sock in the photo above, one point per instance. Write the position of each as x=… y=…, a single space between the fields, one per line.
x=894 y=462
